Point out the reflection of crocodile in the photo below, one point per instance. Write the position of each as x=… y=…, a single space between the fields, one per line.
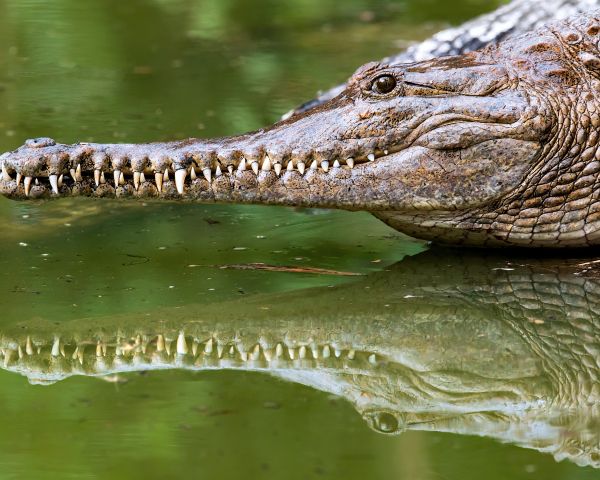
x=493 y=147
x=464 y=344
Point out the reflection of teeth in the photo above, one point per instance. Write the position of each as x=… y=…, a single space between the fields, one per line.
x=182 y=348
x=208 y=348
x=302 y=352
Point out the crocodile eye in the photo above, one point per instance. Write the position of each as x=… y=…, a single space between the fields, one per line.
x=386 y=423
x=383 y=84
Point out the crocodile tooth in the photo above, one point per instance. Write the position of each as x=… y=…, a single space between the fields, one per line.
x=122 y=179
x=230 y=169
x=337 y=352
x=231 y=350
x=266 y=166
x=208 y=348
x=302 y=352
x=325 y=166
x=254 y=166
x=336 y=164
x=301 y=167
x=28 y=346
x=27 y=185
x=97 y=177
x=351 y=354
x=166 y=175
x=207 y=174
x=277 y=167
x=180 y=180
x=195 y=345
x=315 y=352
x=99 y=349
x=55 y=352
x=142 y=178
x=160 y=343
x=159 y=178
x=19 y=177
x=386 y=152
x=268 y=355
x=136 y=179
x=371 y=157
x=5 y=175
x=350 y=162
x=60 y=180
x=102 y=178
x=73 y=174
x=117 y=176
x=326 y=351
x=314 y=165
x=220 y=349
x=218 y=171
x=290 y=166
x=193 y=174
x=54 y=183
x=244 y=356
x=242 y=165
x=291 y=352
x=20 y=352
x=372 y=359
x=182 y=348
x=255 y=354
x=278 y=350
x=78 y=173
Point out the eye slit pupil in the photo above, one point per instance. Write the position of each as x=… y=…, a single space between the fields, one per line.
x=384 y=84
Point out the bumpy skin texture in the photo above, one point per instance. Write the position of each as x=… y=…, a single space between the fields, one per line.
x=497 y=147
x=467 y=343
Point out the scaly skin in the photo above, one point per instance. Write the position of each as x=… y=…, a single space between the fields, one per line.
x=466 y=344
x=496 y=147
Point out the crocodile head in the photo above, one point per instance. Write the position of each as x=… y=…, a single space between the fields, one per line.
x=472 y=149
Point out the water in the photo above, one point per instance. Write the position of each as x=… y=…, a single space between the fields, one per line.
x=457 y=349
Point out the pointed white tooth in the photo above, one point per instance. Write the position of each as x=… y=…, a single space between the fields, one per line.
x=315 y=351
x=19 y=177
x=208 y=348
x=325 y=166
x=301 y=167
x=36 y=181
x=99 y=349
x=231 y=350
x=244 y=356
x=230 y=169
x=27 y=185
x=73 y=174
x=20 y=352
x=314 y=165
x=122 y=179
x=97 y=177
x=371 y=157
x=277 y=167
x=28 y=346
x=168 y=347
x=290 y=166
x=166 y=175
x=218 y=171
x=386 y=152
x=159 y=179
x=207 y=174
x=220 y=349
x=180 y=180
x=351 y=354
x=372 y=359
x=193 y=174
x=142 y=178
x=117 y=176
x=182 y=347
x=5 y=175
x=266 y=166
x=337 y=352
x=291 y=352
x=160 y=343
x=302 y=352
x=279 y=350
x=242 y=165
x=60 y=180
x=350 y=162
x=254 y=166
x=136 y=179
x=54 y=183
x=78 y=173
x=195 y=346
x=255 y=355
x=268 y=354
x=102 y=178
x=336 y=164
x=56 y=347
x=326 y=351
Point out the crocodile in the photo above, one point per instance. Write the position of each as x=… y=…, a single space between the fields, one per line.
x=495 y=147
x=465 y=343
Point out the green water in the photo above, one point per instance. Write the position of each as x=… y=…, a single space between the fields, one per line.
x=164 y=69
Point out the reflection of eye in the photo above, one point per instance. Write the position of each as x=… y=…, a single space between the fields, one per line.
x=385 y=423
x=383 y=84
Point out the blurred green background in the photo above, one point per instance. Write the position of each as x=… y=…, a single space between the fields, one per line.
x=154 y=70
